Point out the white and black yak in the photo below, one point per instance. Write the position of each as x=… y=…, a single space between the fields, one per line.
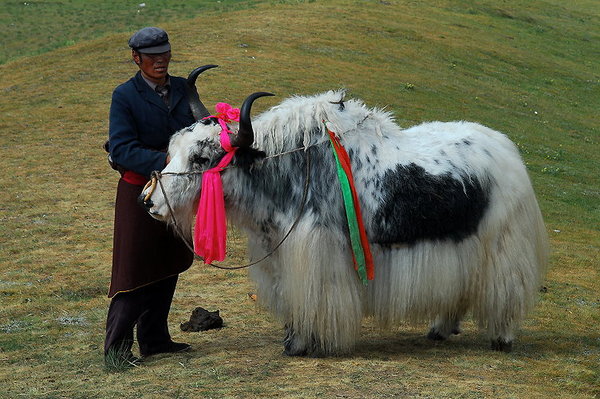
x=449 y=211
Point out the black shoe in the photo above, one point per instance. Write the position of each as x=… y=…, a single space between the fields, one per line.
x=169 y=347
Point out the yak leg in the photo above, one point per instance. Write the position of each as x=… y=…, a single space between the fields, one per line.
x=446 y=325
x=295 y=345
x=322 y=302
x=442 y=328
x=512 y=281
x=502 y=345
x=502 y=323
x=501 y=333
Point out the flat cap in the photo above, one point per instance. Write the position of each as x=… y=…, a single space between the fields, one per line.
x=150 y=40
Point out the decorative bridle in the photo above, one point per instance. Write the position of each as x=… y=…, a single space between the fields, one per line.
x=156 y=181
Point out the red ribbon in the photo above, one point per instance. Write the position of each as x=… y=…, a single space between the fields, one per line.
x=360 y=243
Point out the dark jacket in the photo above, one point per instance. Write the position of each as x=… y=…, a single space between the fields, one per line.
x=141 y=124
x=145 y=250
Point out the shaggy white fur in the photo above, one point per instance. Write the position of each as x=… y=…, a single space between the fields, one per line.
x=423 y=271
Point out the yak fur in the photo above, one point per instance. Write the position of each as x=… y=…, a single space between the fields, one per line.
x=449 y=210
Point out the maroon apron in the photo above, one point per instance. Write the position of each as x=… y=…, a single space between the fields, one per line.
x=145 y=249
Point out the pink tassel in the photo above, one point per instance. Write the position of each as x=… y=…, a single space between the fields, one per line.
x=210 y=231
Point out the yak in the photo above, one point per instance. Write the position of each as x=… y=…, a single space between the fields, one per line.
x=449 y=211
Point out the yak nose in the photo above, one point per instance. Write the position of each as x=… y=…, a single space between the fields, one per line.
x=146 y=204
x=144 y=199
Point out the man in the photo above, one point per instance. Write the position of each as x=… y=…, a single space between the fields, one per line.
x=147 y=256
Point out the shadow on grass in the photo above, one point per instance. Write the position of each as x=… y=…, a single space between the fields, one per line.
x=387 y=345
x=532 y=345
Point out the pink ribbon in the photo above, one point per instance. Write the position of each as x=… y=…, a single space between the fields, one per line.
x=210 y=231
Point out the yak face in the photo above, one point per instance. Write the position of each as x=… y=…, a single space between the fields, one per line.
x=191 y=151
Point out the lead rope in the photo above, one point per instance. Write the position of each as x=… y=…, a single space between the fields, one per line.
x=155 y=177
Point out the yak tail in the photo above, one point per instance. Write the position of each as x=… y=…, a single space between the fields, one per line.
x=515 y=263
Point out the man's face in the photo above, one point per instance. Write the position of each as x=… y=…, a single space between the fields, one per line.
x=154 y=67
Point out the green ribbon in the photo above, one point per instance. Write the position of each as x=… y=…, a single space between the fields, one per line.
x=357 y=248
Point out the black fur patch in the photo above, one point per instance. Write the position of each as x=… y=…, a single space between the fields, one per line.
x=421 y=206
x=282 y=179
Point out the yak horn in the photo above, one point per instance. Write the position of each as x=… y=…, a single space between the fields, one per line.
x=245 y=136
x=198 y=109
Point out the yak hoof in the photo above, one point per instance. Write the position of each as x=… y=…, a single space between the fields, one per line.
x=288 y=351
x=293 y=345
x=501 y=345
x=435 y=335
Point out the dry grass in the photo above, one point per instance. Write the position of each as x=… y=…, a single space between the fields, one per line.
x=526 y=69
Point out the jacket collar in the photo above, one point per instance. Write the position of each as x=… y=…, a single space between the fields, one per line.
x=177 y=92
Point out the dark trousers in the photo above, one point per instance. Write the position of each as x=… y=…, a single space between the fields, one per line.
x=148 y=308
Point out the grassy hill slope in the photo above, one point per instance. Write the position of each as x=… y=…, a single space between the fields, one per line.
x=36 y=27
x=526 y=68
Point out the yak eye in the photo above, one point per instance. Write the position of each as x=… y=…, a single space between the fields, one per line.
x=197 y=159
x=209 y=121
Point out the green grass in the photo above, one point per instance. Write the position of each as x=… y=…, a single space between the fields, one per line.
x=37 y=27
x=526 y=68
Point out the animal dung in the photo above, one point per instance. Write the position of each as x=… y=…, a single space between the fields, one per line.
x=202 y=320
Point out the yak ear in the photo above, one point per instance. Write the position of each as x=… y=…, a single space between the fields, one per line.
x=245 y=157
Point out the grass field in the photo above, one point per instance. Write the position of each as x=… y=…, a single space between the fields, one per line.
x=526 y=68
x=37 y=27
